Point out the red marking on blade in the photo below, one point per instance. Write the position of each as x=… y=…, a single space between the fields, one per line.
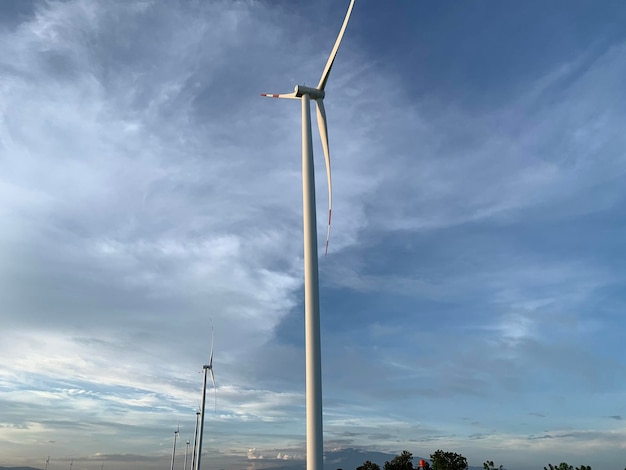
x=328 y=234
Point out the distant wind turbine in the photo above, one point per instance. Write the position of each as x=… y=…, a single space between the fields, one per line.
x=314 y=434
x=207 y=367
x=47 y=462
x=186 y=454
x=174 y=447
x=195 y=442
x=71 y=463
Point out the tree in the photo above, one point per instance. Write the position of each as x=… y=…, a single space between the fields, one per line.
x=368 y=465
x=489 y=465
x=404 y=461
x=566 y=466
x=561 y=466
x=447 y=461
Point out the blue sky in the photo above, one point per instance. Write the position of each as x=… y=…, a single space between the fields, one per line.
x=472 y=299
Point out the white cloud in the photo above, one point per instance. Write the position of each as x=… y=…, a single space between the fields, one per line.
x=254 y=455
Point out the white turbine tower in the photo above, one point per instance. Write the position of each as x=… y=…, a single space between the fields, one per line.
x=314 y=434
x=174 y=447
x=207 y=367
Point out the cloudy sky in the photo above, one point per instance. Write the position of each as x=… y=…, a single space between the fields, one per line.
x=473 y=296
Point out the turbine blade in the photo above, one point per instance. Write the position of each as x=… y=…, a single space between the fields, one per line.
x=321 y=124
x=280 y=95
x=333 y=53
x=211 y=356
x=214 y=388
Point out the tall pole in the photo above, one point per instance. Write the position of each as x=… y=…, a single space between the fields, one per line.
x=314 y=434
x=201 y=428
x=195 y=442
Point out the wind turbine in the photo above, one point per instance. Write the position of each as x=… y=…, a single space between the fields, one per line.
x=205 y=368
x=71 y=463
x=174 y=448
x=314 y=434
x=186 y=454
x=47 y=462
x=195 y=442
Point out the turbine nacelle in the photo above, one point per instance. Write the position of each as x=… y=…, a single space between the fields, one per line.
x=314 y=93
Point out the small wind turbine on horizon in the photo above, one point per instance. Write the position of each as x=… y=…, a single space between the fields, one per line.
x=195 y=441
x=206 y=368
x=174 y=447
x=47 y=462
x=186 y=454
x=314 y=433
x=71 y=463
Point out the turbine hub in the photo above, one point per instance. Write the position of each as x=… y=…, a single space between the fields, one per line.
x=314 y=93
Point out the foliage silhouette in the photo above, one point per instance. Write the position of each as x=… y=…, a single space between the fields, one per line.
x=489 y=465
x=369 y=465
x=404 y=461
x=448 y=461
x=566 y=466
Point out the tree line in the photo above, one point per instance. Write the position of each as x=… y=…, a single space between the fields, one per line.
x=441 y=460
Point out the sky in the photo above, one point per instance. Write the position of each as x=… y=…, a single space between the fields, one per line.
x=472 y=299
